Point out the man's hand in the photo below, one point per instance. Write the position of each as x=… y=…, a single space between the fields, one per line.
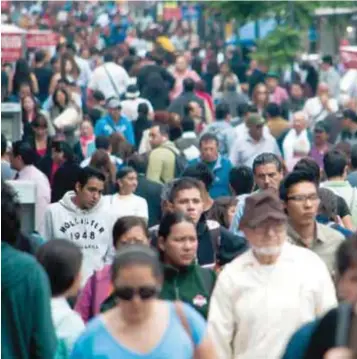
x=339 y=353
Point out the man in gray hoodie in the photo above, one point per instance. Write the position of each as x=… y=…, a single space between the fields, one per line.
x=82 y=217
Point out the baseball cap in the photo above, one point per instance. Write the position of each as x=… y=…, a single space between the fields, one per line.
x=113 y=103
x=255 y=119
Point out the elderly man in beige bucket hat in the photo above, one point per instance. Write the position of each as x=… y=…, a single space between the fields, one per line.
x=265 y=294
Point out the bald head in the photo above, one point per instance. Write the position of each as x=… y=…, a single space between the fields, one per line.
x=322 y=89
x=299 y=121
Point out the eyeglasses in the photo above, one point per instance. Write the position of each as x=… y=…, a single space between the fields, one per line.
x=304 y=197
x=128 y=293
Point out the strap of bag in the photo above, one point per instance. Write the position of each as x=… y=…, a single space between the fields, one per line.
x=112 y=81
x=183 y=319
x=343 y=324
x=353 y=336
x=93 y=287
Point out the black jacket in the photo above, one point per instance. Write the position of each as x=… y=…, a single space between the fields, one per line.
x=151 y=191
x=147 y=70
x=178 y=105
x=324 y=336
x=64 y=180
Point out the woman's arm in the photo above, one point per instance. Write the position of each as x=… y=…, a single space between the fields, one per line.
x=206 y=349
x=34 y=81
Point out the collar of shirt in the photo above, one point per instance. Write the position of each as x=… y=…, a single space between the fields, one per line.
x=319 y=236
x=25 y=171
x=189 y=134
x=217 y=165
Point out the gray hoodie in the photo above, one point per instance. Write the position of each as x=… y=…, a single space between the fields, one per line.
x=90 y=229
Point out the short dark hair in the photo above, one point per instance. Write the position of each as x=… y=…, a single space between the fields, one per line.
x=350 y=114
x=208 y=137
x=201 y=172
x=222 y=111
x=39 y=56
x=136 y=254
x=138 y=162
x=273 y=110
x=62 y=261
x=163 y=128
x=327 y=59
x=124 y=171
x=267 y=158
x=125 y=224
x=10 y=213
x=335 y=163
x=183 y=184
x=219 y=210
x=25 y=151
x=243 y=109
x=188 y=124
x=307 y=164
x=354 y=156
x=328 y=203
x=188 y=85
x=63 y=146
x=241 y=180
x=346 y=255
x=86 y=173
x=3 y=144
x=169 y=220
x=292 y=179
x=108 y=57
x=102 y=142
x=98 y=95
x=143 y=108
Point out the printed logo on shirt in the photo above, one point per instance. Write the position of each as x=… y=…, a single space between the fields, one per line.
x=84 y=237
x=199 y=300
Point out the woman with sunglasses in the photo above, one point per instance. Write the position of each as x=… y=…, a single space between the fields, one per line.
x=140 y=325
x=126 y=230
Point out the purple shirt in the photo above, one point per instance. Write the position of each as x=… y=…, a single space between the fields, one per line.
x=317 y=155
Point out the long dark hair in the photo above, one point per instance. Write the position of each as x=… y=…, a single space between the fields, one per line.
x=22 y=74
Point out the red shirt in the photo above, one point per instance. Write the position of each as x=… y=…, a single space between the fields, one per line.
x=54 y=169
x=41 y=152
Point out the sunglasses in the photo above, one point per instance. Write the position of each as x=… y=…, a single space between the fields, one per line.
x=39 y=126
x=128 y=293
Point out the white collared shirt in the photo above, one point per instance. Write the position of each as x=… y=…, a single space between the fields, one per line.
x=245 y=149
x=255 y=309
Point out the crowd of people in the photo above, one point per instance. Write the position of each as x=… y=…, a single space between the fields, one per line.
x=187 y=205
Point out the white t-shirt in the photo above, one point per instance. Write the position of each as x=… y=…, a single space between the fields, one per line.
x=130 y=107
x=101 y=81
x=130 y=205
x=315 y=112
x=68 y=323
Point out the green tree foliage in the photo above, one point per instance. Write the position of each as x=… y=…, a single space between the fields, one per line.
x=298 y=13
x=278 y=48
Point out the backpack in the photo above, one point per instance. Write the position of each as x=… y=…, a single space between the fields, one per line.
x=180 y=162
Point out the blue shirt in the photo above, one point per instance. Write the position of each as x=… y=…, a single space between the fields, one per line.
x=97 y=342
x=105 y=126
x=220 y=170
